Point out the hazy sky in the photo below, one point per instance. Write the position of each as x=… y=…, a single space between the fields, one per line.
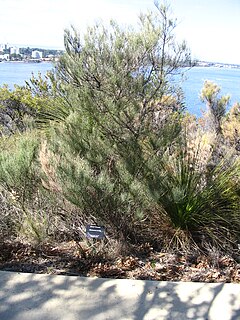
x=210 y=27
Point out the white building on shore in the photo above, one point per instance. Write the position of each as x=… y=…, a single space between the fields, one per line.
x=36 y=54
x=4 y=57
x=14 y=50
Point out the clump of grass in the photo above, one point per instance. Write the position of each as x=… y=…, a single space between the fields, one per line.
x=203 y=204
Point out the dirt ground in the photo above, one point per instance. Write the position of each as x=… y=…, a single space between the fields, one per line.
x=66 y=259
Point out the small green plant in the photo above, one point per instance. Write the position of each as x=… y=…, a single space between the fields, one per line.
x=34 y=227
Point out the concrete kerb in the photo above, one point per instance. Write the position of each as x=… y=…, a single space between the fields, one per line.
x=26 y=296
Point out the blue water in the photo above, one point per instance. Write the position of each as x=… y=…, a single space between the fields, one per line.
x=228 y=79
x=18 y=72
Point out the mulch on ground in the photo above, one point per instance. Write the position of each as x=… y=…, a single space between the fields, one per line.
x=66 y=259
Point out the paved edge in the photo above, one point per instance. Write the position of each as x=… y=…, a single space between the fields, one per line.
x=31 y=296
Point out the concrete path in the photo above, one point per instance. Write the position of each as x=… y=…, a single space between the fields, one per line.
x=25 y=296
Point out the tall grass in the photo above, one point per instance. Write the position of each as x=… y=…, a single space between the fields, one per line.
x=204 y=204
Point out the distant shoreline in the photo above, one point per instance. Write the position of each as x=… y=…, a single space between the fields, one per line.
x=206 y=64
x=198 y=65
x=29 y=61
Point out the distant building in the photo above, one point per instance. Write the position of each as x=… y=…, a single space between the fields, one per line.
x=14 y=50
x=3 y=47
x=36 y=54
x=4 y=56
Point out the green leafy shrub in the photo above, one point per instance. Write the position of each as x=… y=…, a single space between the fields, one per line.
x=119 y=109
x=17 y=157
x=116 y=145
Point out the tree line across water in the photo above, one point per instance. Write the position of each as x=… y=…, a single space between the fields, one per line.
x=105 y=138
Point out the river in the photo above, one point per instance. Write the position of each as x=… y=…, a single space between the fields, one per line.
x=228 y=79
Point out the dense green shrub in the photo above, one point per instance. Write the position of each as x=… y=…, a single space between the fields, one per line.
x=115 y=146
x=119 y=111
x=16 y=161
